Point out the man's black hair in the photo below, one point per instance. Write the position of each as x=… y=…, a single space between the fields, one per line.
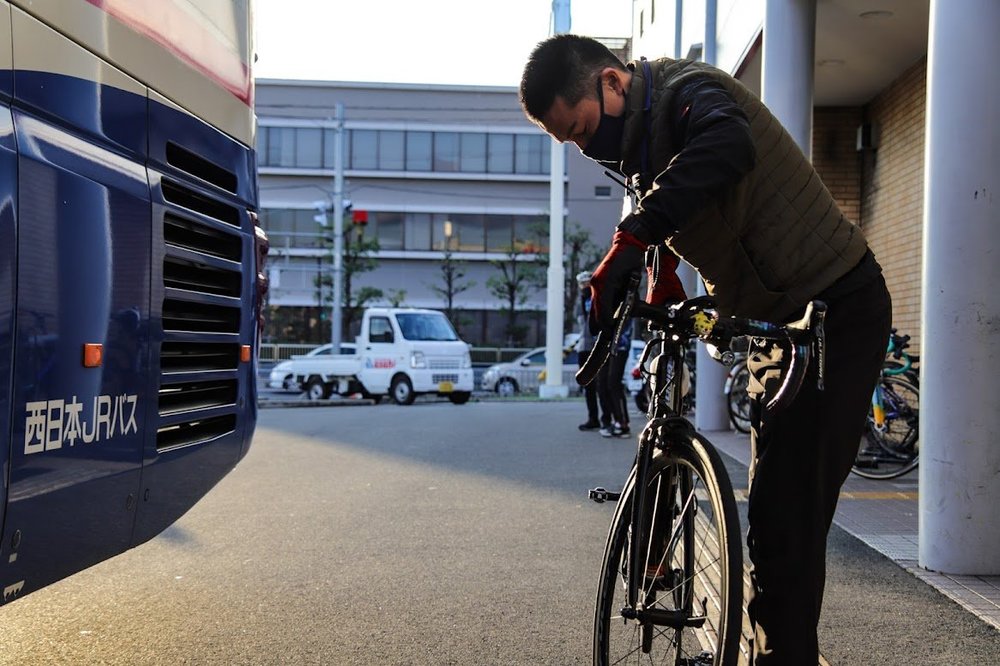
x=565 y=66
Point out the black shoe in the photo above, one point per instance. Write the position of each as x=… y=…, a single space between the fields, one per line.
x=589 y=425
x=622 y=432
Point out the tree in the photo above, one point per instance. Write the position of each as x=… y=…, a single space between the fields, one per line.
x=580 y=253
x=518 y=276
x=358 y=258
x=452 y=282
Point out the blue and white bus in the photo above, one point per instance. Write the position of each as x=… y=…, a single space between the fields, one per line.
x=129 y=262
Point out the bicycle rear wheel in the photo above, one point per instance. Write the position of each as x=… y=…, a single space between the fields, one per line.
x=894 y=451
x=691 y=589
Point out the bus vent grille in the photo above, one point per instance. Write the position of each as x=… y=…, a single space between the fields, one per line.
x=198 y=356
x=193 y=432
x=201 y=316
x=199 y=167
x=191 y=396
x=199 y=203
x=188 y=235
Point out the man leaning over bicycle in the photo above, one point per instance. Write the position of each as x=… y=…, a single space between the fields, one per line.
x=719 y=182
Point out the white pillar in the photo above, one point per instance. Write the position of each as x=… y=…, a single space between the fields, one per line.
x=553 y=386
x=787 y=66
x=710 y=379
x=960 y=318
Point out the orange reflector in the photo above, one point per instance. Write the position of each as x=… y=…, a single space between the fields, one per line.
x=245 y=353
x=93 y=354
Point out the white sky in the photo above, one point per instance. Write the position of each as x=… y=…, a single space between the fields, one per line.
x=482 y=42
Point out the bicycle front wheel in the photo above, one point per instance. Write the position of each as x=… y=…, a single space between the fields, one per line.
x=894 y=449
x=690 y=580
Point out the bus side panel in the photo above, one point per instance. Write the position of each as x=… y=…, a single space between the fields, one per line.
x=8 y=247
x=82 y=278
x=201 y=313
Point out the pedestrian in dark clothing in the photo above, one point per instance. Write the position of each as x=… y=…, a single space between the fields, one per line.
x=584 y=345
x=611 y=388
x=722 y=184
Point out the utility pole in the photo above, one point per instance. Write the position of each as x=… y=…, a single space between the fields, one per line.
x=553 y=386
x=337 y=321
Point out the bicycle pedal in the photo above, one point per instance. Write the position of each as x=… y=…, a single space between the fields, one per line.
x=601 y=495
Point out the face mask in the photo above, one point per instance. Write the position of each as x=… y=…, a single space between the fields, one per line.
x=606 y=143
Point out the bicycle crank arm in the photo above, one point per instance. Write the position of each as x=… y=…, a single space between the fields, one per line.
x=600 y=495
x=675 y=619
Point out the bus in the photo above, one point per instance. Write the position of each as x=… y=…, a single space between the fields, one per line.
x=131 y=272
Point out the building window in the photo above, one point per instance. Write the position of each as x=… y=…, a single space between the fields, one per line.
x=399 y=150
x=446 y=151
x=364 y=149
x=531 y=155
x=500 y=153
x=391 y=150
x=473 y=153
x=602 y=191
x=419 y=149
x=309 y=147
x=417 y=231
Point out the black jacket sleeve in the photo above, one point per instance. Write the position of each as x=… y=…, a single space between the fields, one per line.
x=715 y=151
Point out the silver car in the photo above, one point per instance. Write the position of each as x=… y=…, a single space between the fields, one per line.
x=283 y=374
x=522 y=374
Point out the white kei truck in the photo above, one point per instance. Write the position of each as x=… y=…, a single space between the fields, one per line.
x=402 y=352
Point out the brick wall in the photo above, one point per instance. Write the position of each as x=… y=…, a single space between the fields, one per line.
x=835 y=156
x=882 y=189
x=892 y=189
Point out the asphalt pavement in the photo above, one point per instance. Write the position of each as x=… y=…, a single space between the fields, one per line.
x=430 y=534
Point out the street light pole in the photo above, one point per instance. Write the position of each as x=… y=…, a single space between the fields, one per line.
x=336 y=322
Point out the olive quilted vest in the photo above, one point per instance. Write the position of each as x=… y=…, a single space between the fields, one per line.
x=773 y=241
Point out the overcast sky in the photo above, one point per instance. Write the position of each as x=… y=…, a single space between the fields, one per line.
x=482 y=42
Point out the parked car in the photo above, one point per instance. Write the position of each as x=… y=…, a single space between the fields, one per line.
x=283 y=374
x=522 y=374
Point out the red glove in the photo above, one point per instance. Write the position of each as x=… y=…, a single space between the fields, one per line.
x=608 y=283
x=662 y=283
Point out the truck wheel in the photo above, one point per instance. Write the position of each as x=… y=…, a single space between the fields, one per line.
x=316 y=389
x=459 y=397
x=401 y=390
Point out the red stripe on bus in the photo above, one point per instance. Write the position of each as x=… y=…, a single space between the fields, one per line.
x=183 y=35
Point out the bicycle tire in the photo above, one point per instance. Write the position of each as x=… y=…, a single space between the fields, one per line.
x=738 y=400
x=710 y=572
x=896 y=451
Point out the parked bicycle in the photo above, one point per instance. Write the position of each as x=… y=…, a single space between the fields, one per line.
x=890 y=445
x=670 y=590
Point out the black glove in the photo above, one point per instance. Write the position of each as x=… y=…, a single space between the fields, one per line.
x=625 y=258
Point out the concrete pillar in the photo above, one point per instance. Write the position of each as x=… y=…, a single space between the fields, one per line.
x=553 y=386
x=787 y=66
x=710 y=380
x=960 y=317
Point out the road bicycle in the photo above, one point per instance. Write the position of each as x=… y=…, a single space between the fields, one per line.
x=670 y=589
x=890 y=445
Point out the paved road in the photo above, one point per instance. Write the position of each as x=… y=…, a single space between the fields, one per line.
x=432 y=534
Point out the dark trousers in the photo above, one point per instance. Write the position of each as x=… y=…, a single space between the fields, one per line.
x=589 y=391
x=611 y=391
x=801 y=457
